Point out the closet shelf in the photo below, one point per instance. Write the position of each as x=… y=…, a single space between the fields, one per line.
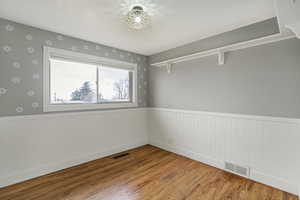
x=220 y=52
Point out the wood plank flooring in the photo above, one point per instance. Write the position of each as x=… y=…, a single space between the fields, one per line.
x=147 y=173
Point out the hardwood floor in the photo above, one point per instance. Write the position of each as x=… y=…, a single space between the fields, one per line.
x=147 y=173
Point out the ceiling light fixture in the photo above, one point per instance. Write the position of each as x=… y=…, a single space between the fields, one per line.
x=137 y=18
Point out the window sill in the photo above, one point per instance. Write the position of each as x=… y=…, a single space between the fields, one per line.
x=75 y=107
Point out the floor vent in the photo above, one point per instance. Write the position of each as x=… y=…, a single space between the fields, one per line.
x=243 y=171
x=121 y=156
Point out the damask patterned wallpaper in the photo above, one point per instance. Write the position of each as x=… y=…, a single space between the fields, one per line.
x=21 y=65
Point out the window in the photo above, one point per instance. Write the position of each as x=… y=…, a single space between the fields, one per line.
x=114 y=85
x=72 y=82
x=75 y=81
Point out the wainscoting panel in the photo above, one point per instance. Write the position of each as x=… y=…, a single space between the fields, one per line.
x=268 y=146
x=32 y=146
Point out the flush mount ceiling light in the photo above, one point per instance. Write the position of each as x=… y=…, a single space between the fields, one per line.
x=137 y=18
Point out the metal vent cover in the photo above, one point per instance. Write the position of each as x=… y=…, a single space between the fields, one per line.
x=237 y=169
x=120 y=156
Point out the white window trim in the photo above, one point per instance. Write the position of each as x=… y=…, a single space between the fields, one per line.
x=50 y=52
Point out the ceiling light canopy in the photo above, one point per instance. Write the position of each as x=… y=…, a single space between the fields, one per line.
x=137 y=18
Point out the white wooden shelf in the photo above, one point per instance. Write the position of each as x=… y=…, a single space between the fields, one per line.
x=220 y=52
x=288 y=17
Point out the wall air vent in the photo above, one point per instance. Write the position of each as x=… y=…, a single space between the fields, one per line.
x=236 y=169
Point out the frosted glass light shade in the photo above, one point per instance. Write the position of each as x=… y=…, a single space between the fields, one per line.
x=137 y=18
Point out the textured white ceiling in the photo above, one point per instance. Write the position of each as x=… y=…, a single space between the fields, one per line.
x=175 y=22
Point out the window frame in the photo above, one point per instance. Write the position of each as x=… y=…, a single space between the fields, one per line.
x=50 y=52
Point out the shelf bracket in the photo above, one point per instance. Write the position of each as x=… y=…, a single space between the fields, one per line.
x=295 y=28
x=169 y=67
x=221 y=57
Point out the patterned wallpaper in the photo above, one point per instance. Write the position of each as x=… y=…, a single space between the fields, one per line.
x=21 y=65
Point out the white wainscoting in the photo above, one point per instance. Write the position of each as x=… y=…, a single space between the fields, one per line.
x=31 y=146
x=268 y=145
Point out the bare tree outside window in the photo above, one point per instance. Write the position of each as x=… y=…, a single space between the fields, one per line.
x=114 y=84
x=121 y=89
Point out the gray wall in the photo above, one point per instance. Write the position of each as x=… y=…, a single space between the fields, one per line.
x=262 y=80
x=252 y=31
x=21 y=65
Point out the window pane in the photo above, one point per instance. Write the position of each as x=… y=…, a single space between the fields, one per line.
x=72 y=82
x=114 y=85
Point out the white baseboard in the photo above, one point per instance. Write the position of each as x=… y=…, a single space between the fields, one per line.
x=255 y=175
x=274 y=182
x=189 y=154
x=46 y=169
